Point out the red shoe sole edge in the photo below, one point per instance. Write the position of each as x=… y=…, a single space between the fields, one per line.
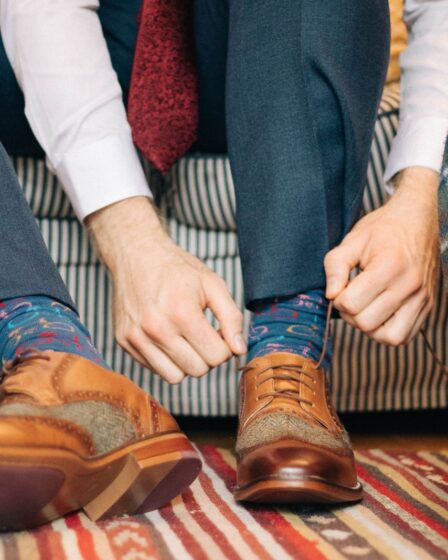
x=39 y=485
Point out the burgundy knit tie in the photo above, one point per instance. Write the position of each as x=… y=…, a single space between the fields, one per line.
x=163 y=98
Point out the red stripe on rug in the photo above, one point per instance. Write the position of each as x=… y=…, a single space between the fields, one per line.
x=163 y=552
x=418 y=514
x=413 y=536
x=49 y=542
x=411 y=477
x=232 y=518
x=84 y=537
x=436 y=470
x=204 y=522
x=188 y=540
x=271 y=521
x=129 y=536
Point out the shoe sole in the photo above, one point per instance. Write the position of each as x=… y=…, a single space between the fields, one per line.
x=303 y=491
x=40 y=485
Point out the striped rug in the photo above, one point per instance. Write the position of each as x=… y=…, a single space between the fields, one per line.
x=403 y=516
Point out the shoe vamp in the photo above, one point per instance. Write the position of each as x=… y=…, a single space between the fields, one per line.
x=275 y=426
x=107 y=425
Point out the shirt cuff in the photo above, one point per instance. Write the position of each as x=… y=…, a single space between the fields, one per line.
x=419 y=143
x=102 y=173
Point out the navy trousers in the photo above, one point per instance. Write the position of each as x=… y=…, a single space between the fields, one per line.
x=290 y=90
x=26 y=267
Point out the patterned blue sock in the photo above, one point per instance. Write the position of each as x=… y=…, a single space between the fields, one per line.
x=290 y=324
x=42 y=323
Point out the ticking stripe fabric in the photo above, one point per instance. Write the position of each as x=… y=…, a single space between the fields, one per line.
x=197 y=200
x=443 y=215
x=404 y=514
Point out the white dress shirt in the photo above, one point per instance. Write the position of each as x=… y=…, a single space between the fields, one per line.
x=424 y=89
x=75 y=108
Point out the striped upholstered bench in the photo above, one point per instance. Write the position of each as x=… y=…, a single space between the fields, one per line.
x=198 y=202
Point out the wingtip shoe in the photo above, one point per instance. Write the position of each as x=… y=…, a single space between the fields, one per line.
x=74 y=435
x=291 y=446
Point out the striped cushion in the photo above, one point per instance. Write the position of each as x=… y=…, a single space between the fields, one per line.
x=197 y=200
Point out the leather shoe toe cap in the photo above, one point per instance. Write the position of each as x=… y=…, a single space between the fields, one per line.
x=296 y=460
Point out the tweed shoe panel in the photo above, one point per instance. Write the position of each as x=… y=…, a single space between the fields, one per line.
x=277 y=426
x=82 y=398
x=107 y=426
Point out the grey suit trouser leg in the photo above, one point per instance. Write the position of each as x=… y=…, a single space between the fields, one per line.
x=25 y=264
x=302 y=81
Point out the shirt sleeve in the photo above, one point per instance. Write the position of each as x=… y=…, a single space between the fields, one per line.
x=424 y=89
x=73 y=100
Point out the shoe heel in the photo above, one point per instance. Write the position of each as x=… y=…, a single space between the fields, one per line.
x=145 y=484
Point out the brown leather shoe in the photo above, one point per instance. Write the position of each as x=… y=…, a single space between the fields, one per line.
x=291 y=446
x=76 y=436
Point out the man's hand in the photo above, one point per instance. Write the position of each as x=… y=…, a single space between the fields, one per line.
x=160 y=294
x=396 y=248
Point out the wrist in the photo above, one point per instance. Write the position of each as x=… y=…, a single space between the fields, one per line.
x=416 y=179
x=415 y=199
x=125 y=227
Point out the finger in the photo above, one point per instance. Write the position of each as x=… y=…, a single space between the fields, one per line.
x=348 y=319
x=379 y=311
x=338 y=264
x=168 y=337
x=230 y=318
x=207 y=342
x=184 y=356
x=154 y=358
x=364 y=289
x=397 y=329
x=135 y=354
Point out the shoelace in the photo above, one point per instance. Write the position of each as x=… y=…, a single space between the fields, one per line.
x=294 y=394
x=443 y=367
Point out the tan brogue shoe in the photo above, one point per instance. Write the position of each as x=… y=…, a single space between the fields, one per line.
x=74 y=435
x=291 y=446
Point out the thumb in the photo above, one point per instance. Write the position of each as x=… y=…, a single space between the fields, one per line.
x=338 y=264
x=230 y=318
